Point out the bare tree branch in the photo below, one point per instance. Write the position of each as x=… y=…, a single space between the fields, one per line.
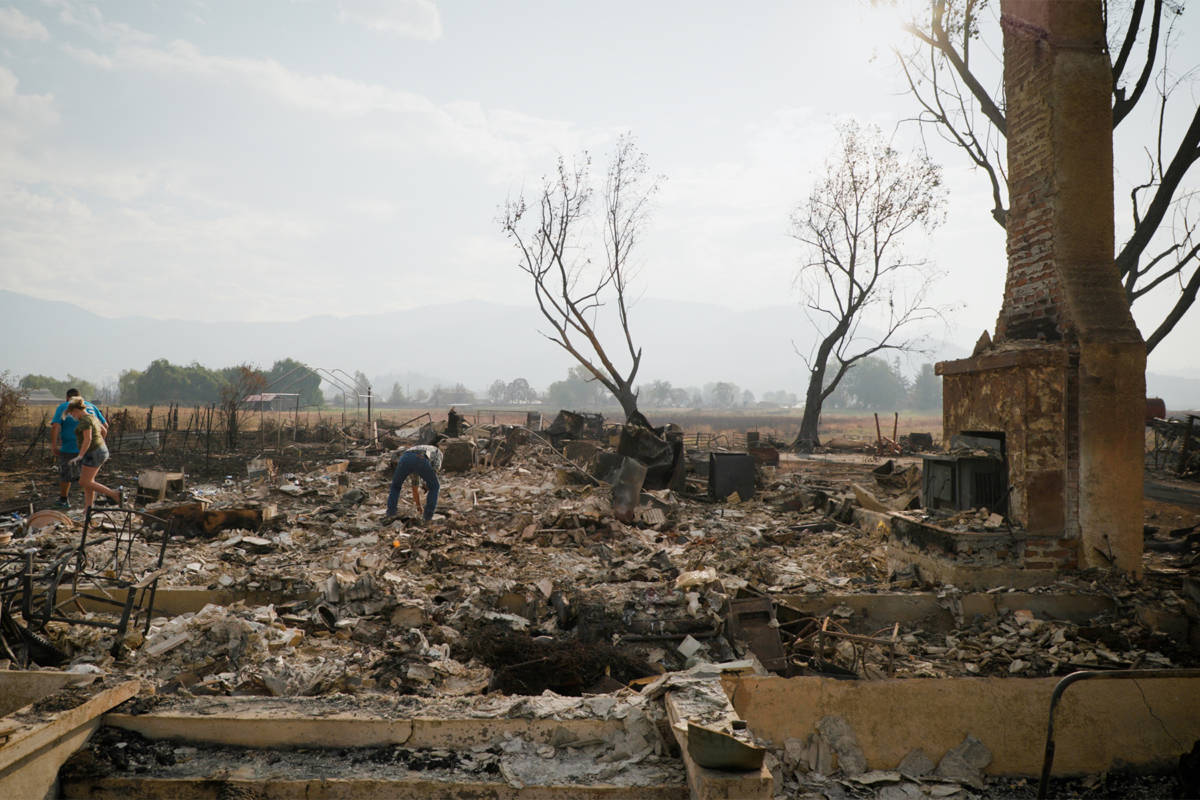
x=570 y=289
x=853 y=226
x=1122 y=105
x=951 y=97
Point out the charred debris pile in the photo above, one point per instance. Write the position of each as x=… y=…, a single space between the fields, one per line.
x=578 y=559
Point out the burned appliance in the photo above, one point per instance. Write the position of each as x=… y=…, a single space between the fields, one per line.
x=729 y=473
x=971 y=475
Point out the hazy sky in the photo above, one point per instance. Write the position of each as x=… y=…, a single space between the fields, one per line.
x=276 y=159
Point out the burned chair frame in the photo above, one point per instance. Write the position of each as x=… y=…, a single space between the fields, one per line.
x=99 y=570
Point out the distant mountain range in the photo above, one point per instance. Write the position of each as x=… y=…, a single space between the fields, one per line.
x=470 y=342
x=1179 y=394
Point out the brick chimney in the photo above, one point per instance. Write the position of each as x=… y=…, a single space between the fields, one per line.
x=1064 y=379
x=1062 y=277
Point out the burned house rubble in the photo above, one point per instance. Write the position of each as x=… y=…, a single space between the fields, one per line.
x=573 y=617
x=614 y=611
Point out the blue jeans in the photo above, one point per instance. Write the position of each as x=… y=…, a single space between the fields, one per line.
x=409 y=464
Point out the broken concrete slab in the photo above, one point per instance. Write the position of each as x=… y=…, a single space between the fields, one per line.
x=840 y=736
x=154 y=484
x=19 y=688
x=917 y=764
x=35 y=749
x=710 y=784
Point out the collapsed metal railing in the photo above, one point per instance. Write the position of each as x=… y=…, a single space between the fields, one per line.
x=1085 y=675
x=38 y=588
x=1176 y=443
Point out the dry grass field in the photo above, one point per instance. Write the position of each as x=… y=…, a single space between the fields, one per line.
x=782 y=425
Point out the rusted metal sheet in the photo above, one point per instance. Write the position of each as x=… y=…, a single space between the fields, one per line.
x=752 y=620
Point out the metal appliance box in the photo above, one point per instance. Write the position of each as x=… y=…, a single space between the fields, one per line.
x=729 y=473
x=962 y=482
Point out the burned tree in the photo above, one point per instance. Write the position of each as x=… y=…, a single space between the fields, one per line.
x=12 y=398
x=949 y=72
x=240 y=382
x=856 y=274
x=553 y=236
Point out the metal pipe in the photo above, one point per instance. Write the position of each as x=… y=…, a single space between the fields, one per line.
x=354 y=383
x=357 y=389
x=1084 y=675
x=334 y=379
x=337 y=384
x=414 y=419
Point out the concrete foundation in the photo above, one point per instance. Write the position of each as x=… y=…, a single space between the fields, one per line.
x=286 y=722
x=1144 y=721
x=1100 y=725
x=34 y=745
x=351 y=789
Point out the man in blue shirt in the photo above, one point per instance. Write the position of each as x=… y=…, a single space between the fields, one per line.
x=64 y=446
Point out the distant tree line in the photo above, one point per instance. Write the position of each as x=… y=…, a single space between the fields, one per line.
x=438 y=397
x=872 y=384
x=58 y=387
x=163 y=382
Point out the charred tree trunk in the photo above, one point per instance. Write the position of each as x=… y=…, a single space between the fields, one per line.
x=808 y=439
x=628 y=401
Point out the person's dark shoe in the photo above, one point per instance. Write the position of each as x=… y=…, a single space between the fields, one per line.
x=62 y=503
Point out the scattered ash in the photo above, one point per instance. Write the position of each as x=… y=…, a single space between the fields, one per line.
x=142 y=704
x=71 y=697
x=473 y=763
x=522 y=664
x=113 y=751
x=1108 y=786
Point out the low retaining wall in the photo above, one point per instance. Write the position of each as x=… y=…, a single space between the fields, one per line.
x=1098 y=725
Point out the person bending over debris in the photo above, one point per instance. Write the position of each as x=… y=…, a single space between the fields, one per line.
x=424 y=461
x=92 y=452
x=64 y=447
